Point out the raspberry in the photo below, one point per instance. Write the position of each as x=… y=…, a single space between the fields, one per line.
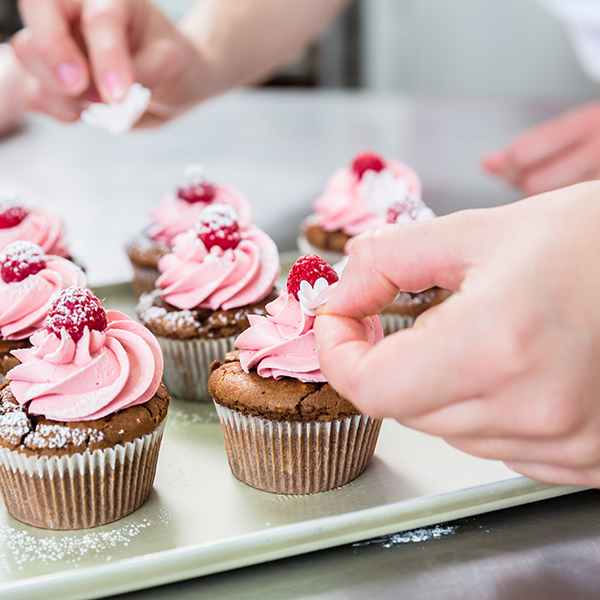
x=309 y=268
x=21 y=259
x=367 y=161
x=74 y=310
x=12 y=212
x=218 y=225
x=193 y=186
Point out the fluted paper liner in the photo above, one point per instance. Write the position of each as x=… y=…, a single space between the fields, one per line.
x=187 y=365
x=297 y=457
x=81 y=490
x=144 y=279
x=391 y=322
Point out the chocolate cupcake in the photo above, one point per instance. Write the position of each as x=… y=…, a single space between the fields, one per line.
x=218 y=274
x=286 y=430
x=81 y=419
x=176 y=213
x=29 y=282
x=355 y=199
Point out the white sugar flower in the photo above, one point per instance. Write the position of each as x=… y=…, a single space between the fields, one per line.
x=380 y=188
x=311 y=297
x=119 y=117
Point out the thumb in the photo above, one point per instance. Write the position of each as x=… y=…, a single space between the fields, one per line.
x=409 y=257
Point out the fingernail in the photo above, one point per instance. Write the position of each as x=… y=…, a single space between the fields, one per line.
x=69 y=75
x=115 y=85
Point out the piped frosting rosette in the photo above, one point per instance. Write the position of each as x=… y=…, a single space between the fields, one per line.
x=357 y=198
x=87 y=411
x=66 y=378
x=295 y=456
x=219 y=265
x=29 y=281
x=178 y=212
x=33 y=225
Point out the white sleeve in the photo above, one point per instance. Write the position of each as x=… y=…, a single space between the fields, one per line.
x=582 y=20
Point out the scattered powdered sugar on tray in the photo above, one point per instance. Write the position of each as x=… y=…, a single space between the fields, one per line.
x=422 y=534
x=19 y=547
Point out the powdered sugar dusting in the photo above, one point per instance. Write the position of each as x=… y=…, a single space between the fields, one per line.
x=9 y=200
x=422 y=534
x=19 y=547
x=192 y=175
x=13 y=426
x=59 y=436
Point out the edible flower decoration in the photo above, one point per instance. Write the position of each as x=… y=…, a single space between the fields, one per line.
x=283 y=344
x=87 y=362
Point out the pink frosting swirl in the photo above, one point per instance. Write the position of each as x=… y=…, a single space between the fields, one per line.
x=174 y=216
x=283 y=344
x=104 y=372
x=41 y=228
x=354 y=205
x=193 y=276
x=24 y=304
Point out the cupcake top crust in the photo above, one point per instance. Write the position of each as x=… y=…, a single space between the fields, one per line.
x=35 y=435
x=287 y=399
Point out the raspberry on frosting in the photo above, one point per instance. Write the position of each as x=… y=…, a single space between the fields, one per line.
x=409 y=208
x=21 y=259
x=193 y=185
x=309 y=268
x=12 y=211
x=74 y=310
x=218 y=225
x=367 y=161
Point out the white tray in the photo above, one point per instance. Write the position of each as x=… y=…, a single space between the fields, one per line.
x=199 y=519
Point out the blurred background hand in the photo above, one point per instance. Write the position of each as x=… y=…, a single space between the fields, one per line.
x=561 y=152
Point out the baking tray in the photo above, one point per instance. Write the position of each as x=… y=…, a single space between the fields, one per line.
x=200 y=519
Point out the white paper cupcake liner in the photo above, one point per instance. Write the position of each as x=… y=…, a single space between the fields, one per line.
x=81 y=490
x=144 y=279
x=297 y=457
x=391 y=322
x=187 y=365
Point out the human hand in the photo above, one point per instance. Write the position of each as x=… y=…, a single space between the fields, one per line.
x=561 y=152
x=86 y=50
x=507 y=367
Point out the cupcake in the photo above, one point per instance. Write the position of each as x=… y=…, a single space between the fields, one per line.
x=81 y=418
x=218 y=274
x=29 y=282
x=286 y=430
x=20 y=223
x=355 y=199
x=176 y=213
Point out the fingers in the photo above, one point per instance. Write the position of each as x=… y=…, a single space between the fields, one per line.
x=558 y=475
x=407 y=374
x=561 y=152
x=47 y=48
x=104 y=25
x=424 y=255
x=58 y=106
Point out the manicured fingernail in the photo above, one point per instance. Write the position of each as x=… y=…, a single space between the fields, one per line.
x=115 y=85
x=69 y=75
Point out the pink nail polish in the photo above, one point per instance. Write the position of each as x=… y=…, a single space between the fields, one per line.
x=114 y=84
x=69 y=74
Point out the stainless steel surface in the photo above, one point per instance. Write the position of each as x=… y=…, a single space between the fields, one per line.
x=279 y=147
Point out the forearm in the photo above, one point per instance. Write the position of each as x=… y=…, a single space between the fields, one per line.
x=243 y=41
